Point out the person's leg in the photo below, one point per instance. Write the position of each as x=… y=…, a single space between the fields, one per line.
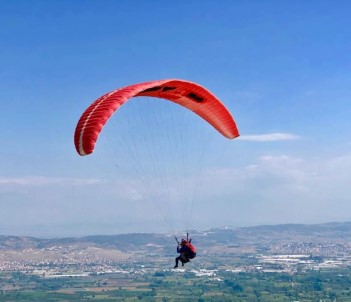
x=176 y=262
x=183 y=258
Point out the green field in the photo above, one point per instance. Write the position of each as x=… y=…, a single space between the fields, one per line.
x=329 y=285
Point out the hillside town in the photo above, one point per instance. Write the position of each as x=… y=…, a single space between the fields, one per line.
x=76 y=260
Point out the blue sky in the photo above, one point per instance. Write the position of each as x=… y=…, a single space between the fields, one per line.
x=283 y=68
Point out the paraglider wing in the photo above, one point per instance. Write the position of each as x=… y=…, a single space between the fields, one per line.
x=187 y=94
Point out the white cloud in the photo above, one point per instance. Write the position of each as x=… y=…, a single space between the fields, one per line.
x=269 y=137
x=281 y=189
x=270 y=189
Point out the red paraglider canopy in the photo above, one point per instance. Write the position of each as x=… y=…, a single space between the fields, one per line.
x=190 y=95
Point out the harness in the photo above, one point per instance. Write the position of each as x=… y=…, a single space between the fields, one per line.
x=191 y=250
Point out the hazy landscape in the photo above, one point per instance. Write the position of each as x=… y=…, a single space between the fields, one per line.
x=263 y=263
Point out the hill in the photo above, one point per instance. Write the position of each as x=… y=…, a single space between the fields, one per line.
x=226 y=236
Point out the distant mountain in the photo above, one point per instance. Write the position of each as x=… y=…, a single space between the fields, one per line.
x=226 y=236
x=332 y=230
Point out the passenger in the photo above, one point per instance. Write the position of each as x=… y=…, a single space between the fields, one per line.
x=186 y=250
